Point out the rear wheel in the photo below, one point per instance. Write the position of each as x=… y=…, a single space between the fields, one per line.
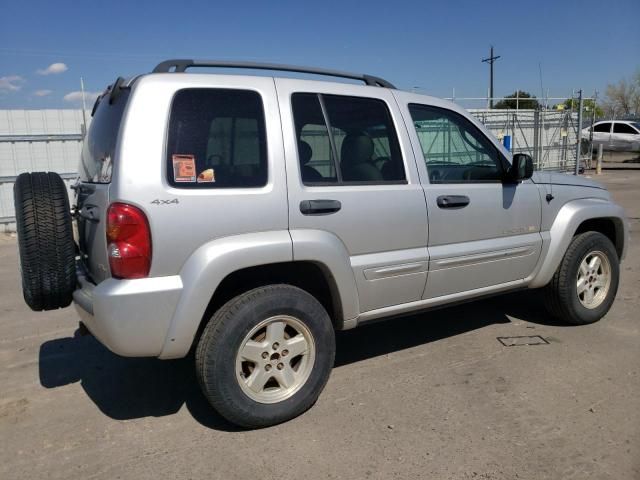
x=585 y=285
x=266 y=355
x=45 y=240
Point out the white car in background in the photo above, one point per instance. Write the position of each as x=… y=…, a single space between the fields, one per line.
x=617 y=135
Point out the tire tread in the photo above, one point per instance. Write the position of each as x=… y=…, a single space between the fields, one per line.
x=205 y=362
x=557 y=294
x=45 y=239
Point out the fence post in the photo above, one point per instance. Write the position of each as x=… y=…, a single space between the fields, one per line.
x=579 y=132
x=536 y=138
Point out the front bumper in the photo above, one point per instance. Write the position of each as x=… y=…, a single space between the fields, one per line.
x=130 y=317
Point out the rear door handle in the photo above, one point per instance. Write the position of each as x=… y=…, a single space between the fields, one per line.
x=453 y=201
x=319 y=207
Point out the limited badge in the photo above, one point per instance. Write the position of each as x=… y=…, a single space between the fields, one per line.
x=184 y=168
x=207 y=176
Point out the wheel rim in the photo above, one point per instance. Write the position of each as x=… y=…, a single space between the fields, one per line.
x=275 y=359
x=593 y=279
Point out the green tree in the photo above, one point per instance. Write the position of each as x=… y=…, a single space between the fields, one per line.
x=518 y=99
x=588 y=105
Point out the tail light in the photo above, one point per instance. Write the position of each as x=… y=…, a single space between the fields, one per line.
x=128 y=241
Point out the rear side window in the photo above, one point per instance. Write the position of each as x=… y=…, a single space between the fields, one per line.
x=603 y=128
x=623 y=128
x=345 y=140
x=96 y=163
x=317 y=164
x=217 y=139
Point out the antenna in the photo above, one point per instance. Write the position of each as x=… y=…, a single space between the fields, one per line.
x=84 y=108
x=491 y=61
x=540 y=73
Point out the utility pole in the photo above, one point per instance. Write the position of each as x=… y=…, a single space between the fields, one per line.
x=490 y=61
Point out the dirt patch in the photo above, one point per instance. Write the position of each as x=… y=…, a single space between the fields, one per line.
x=13 y=408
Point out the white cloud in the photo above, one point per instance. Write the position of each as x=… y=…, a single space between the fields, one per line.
x=53 y=69
x=42 y=93
x=11 y=83
x=76 y=97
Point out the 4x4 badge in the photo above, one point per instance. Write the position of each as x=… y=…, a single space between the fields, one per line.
x=165 y=202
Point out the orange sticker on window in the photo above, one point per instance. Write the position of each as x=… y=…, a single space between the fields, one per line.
x=207 y=176
x=184 y=168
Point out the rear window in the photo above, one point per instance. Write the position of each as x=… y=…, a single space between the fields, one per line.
x=217 y=139
x=96 y=163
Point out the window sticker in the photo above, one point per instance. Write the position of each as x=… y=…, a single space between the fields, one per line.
x=207 y=176
x=184 y=168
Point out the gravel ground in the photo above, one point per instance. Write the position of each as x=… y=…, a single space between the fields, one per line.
x=434 y=395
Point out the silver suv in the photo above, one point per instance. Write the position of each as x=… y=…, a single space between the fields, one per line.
x=246 y=218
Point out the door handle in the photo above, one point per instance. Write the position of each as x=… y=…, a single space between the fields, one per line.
x=319 y=207
x=453 y=201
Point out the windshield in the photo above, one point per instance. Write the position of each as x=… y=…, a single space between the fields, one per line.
x=636 y=124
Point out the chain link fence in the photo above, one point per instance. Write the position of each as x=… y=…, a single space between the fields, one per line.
x=549 y=133
x=549 y=136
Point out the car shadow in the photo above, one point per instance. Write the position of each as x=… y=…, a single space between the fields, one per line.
x=128 y=388
x=406 y=332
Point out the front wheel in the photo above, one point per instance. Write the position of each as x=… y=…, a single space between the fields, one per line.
x=266 y=355
x=585 y=284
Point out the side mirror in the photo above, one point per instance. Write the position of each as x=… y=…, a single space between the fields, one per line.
x=521 y=168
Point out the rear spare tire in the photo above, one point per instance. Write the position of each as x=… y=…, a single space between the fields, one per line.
x=45 y=240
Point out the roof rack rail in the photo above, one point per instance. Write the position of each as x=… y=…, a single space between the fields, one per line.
x=180 y=65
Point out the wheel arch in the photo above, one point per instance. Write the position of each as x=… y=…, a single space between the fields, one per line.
x=577 y=217
x=224 y=268
x=312 y=277
x=611 y=227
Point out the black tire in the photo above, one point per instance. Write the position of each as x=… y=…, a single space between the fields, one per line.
x=45 y=240
x=561 y=294
x=222 y=338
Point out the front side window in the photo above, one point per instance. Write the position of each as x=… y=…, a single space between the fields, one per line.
x=454 y=150
x=217 y=139
x=602 y=128
x=623 y=128
x=345 y=140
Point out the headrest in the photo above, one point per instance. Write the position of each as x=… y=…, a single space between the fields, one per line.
x=304 y=151
x=356 y=149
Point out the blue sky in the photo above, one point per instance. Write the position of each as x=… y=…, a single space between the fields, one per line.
x=436 y=46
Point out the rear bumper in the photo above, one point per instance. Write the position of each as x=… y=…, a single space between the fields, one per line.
x=130 y=317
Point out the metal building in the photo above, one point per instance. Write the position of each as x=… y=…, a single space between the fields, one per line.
x=36 y=140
